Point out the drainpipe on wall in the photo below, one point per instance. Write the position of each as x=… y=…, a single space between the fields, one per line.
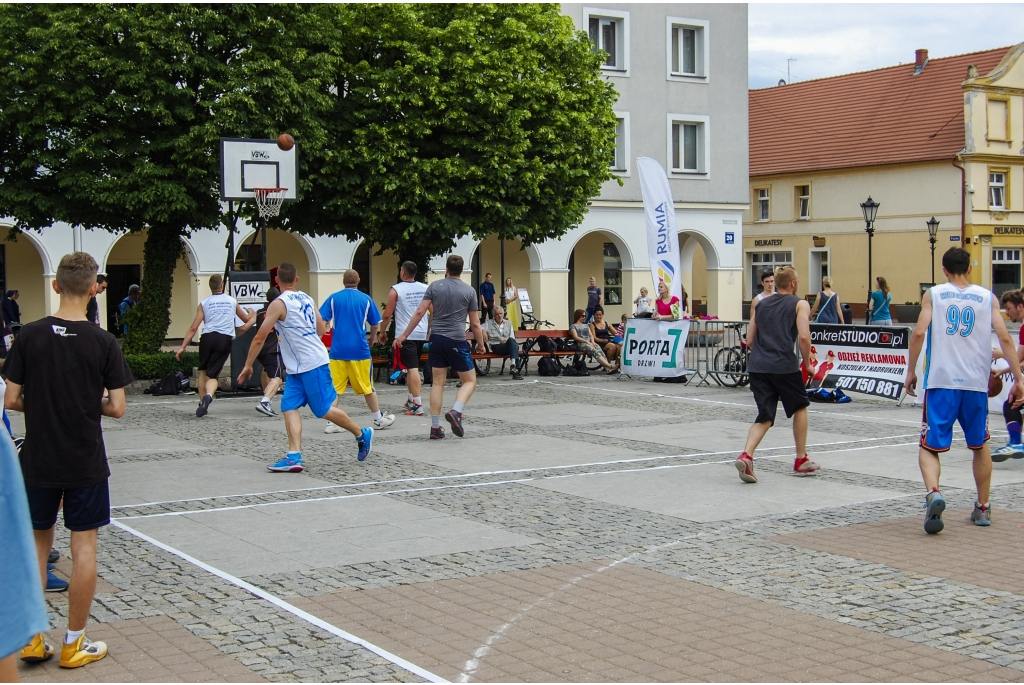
x=963 y=201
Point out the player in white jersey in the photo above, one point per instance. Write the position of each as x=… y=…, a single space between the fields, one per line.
x=957 y=319
x=219 y=314
x=299 y=328
x=403 y=299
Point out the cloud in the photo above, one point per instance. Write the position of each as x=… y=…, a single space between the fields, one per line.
x=831 y=39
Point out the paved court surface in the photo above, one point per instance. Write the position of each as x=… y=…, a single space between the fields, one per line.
x=587 y=529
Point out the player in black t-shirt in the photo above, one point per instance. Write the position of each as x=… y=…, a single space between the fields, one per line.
x=269 y=357
x=64 y=362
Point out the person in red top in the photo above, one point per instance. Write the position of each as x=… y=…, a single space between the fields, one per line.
x=665 y=302
x=822 y=370
x=1013 y=305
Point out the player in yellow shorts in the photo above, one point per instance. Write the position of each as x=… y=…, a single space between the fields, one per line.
x=349 y=311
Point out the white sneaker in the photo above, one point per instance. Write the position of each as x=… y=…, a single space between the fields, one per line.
x=265 y=408
x=331 y=428
x=385 y=421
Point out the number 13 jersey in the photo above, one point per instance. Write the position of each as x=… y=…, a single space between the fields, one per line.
x=959 y=338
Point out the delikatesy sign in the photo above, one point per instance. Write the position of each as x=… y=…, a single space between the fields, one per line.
x=654 y=348
x=866 y=359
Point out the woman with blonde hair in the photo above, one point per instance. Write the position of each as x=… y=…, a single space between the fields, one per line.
x=827 y=308
x=878 y=310
x=512 y=303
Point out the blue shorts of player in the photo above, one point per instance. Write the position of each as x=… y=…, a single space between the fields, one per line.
x=447 y=353
x=85 y=508
x=313 y=387
x=943 y=407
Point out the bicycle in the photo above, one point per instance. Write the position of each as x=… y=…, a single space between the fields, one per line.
x=730 y=363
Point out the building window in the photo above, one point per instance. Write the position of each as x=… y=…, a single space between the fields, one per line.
x=688 y=144
x=997 y=190
x=998 y=119
x=687 y=49
x=763 y=205
x=612 y=275
x=1005 y=270
x=803 y=203
x=761 y=262
x=620 y=158
x=609 y=32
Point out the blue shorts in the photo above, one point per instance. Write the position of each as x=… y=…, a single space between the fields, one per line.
x=943 y=407
x=314 y=387
x=85 y=508
x=447 y=353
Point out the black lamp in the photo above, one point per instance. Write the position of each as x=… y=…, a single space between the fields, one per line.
x=933 y=231
x=870 y=211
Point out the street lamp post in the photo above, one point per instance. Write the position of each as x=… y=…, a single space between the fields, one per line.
x=870 y=210
x=933 y=230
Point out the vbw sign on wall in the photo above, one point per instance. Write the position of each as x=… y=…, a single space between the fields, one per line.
x=654 y=348
x=249 y=287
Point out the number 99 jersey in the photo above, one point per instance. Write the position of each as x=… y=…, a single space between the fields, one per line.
x=959 y=341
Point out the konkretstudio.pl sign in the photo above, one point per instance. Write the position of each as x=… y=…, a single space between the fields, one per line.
x=866 y=359
x=654 y=348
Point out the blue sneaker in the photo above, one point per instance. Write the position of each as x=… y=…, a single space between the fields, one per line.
x=55 y=584
x=1006 y=452
x=289 y=464
x=934 y=506
x=364 y=441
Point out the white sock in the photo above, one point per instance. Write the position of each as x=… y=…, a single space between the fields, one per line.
x=411 y=398
x=377 y=416
x=72 y=635
x=417 y=400
x=458 y=406
x=265 y=400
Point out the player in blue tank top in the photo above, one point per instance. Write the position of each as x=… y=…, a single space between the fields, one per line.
x=299 y=327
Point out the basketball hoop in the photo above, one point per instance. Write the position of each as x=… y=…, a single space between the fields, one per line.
x=269 y=200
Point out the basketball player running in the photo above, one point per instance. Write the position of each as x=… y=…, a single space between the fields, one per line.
x=1013 y=305
x=775 y=370
x=294 y=316
x=217 y=315
x=450 y=301
x=349 y=311
x=272 y=376
x=957 y=319
x=403 y=299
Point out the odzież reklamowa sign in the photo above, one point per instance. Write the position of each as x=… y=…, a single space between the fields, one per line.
x=654 y=348
x=866 y=359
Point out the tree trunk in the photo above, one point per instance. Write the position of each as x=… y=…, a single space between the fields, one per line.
x=149 y=321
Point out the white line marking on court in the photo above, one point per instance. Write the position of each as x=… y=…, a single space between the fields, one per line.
x=290 y=608
x=477 y=474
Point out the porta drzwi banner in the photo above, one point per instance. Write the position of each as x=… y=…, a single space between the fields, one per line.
x=865 y=359
x=655 y=348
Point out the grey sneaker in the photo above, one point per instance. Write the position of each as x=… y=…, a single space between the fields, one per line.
x=982 y=514
x=934 y=505
x=1006 y=452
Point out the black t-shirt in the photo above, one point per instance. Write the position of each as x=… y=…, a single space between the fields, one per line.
x=63 y=367
x=270 y=344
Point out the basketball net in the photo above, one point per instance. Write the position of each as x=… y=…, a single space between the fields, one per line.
x=269 y=200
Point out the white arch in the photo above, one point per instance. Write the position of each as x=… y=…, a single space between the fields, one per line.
x=44 y=256
x=467 y=245
x=689 y=246
x=246 y=232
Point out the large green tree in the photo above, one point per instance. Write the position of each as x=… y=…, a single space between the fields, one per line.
x=454 y=119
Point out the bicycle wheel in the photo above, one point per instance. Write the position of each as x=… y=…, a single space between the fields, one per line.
x=483 y=366
x=728 y=367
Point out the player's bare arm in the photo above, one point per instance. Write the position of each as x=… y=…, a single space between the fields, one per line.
x=389 y=311
x=478 y=331
x=246 y=315
x=803 y=329
x=751 y=332
x=275 y=312
x=114 y=404
x=13 y=399
x=917 y=343
x=192 y=330
x=1009 y=354
x=414 y=321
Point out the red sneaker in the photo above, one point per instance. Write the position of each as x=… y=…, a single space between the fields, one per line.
x=804 y=465
x=745 y=465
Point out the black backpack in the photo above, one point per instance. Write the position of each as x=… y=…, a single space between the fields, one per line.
x=171 y=384
x=548 y=366
x=546 y=344
x=581 y=367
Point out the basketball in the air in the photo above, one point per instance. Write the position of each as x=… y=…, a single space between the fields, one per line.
x=995 y=385
x=285 y=141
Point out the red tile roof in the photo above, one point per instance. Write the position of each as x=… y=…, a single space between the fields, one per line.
x=868 y=118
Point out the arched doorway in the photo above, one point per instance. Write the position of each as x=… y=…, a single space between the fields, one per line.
x=598 y=255
x=124 y=268
x=22 y=268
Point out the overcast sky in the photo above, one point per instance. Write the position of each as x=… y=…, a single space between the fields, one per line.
x=830 y=39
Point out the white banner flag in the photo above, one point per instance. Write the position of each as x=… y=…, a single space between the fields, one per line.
x=662 y=239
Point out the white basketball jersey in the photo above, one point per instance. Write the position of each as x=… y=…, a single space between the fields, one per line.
x=219 y=314
x=301 y=347
x=410 y=295
x=959 y=353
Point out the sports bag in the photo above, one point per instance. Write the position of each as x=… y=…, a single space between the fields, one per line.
x=581 y=367
x=548 y=366
x=546 y=344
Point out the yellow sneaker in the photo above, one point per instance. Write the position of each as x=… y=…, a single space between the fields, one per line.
x=82 y=652
x=37 y=650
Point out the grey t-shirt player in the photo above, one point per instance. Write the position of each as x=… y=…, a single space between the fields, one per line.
x=451 y=301
x=774 y=348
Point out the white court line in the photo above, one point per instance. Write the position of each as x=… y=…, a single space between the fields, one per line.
x=290 y=608
x=502 y=472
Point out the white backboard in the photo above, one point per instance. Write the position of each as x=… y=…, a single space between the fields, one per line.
x=248 y=163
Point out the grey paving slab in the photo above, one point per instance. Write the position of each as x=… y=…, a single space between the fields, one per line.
x=134 y=441
x=201 y=476
x=715 y=435
x=568 y=414
x=286 y=538
x=712 y=492
x=500 y=452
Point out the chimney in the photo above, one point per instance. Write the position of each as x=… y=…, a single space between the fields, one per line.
x=920 y=59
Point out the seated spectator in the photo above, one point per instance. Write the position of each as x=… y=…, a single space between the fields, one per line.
x=601 y=332
x=500 y=339
x=580 y=332
x=620 y=336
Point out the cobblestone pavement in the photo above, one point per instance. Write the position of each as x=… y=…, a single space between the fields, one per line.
x=588 y=529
